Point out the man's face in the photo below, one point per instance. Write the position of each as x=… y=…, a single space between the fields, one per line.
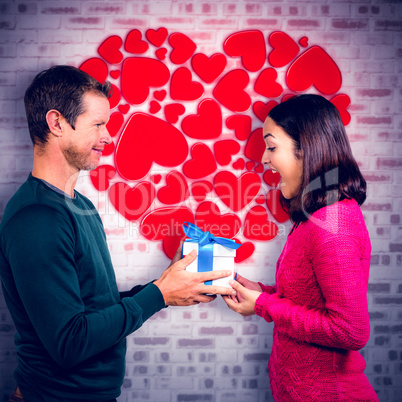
x=82 y=147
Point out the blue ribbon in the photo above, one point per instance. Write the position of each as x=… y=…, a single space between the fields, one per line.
x=206 y=241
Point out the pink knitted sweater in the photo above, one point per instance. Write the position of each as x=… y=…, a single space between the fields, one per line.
x=319 y=308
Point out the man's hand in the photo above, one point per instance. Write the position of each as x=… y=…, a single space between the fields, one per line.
x=182 y=288
x=244 y=302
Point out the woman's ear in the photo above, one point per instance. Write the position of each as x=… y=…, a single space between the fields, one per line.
x=53 y=119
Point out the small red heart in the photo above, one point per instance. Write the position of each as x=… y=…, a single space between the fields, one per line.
x=255 y=147
x=285 y=49
x=166 y=224
x=230 y=91
x=260 y=199
x=245 y=251
x=266 y=84
x=235 y=192
x=303 y=41
x=259 y=168
x=250 y=165
x=115 y=74
x=154 y=107
x=200 y=189
x=173 y=111
x=241 y=124
x=132 y=203
x=160 y=95
x=161 y=53
x=257 y=226
x=176 y=189
x=101 y=176
x=208 y=68
x=239 y=164
x=341 y=102
x=96 y=68
x=114 y=124
x=224 y=150
x=108 y=149
x=183 y=48
x=157 y=37
x=250 y=46
x=262 y=109
x=202 y=163
x=114 y=100
x=207 y=124
x=271 y=178
x=208 y=218
x=275 y=207
x=183 y=88
x=109 y=49
x=134 y=43
x=156 y=178
x=315 y=68
x=124 y=108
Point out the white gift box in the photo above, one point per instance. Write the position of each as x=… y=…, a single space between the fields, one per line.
x=223 y=259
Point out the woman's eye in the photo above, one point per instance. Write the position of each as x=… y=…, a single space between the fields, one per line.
x=271 y=149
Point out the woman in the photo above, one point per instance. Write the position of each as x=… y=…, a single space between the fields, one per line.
x=319 y=302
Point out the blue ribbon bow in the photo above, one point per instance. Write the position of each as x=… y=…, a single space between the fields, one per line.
x=206 y=241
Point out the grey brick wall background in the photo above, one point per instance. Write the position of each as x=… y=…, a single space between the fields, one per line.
x=208 y=353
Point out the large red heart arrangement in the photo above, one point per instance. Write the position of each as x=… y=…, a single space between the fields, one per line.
x=186 y=128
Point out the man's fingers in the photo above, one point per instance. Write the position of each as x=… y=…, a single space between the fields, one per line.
x=211 y=275
x=187 y=260
x=216 y=290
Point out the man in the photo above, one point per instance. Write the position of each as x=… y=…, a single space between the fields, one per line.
x=55 y=266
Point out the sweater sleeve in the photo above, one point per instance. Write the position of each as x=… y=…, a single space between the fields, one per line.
x=267 y=289
x=344 y=321
x=39 y=246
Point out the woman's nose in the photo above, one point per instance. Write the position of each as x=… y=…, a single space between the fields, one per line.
x=265 y=158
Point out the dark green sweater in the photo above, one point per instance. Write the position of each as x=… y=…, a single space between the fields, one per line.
x=60 y=287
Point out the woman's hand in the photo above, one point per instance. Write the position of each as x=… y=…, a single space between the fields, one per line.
x=244 y=301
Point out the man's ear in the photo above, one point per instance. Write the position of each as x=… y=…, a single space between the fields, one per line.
x=53 y=119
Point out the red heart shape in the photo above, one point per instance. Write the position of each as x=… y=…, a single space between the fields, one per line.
x=147 y=139
x=250 y=165
x=262 y=109
x=235 y=192
x=207 y=124
x=108 y=149
x=259 y=168
x=173 y=111
x=96 y=68
x=224 y=150
x=114 y=124
x=134 y=43
x=250 y=46
x=255 y=147
x=156 y=178
x=257 y=226
x=239 y=164
x=260 y=199
x=266 y=84
x=341 y=102
x=109 y=49
x=124 y=108
x=208 y=218
x=316 y=68
x=160 y=95
x=285 y=49
x=183 y=88
x=132 y=203
x=202 y=164
x=115 y=74
x=101 y=176
x=157 y=37
x=271 y=178
x=114 y=100
x=208 y=68
x=230 y=91
x=200 y=189
x=303 y=41
x=241 y=124
x=245 y=251
x=166 y=224
x=176 y=189
x=275 y=207
x=154 y=107
x=161 y=53
x=138 y=74
x=183 y=48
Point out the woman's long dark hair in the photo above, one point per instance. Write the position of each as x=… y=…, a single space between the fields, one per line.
x=330 y=172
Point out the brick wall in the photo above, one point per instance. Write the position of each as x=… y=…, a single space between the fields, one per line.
x=208 y=353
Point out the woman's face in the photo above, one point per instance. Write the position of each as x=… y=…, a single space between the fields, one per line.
x=280 y=156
